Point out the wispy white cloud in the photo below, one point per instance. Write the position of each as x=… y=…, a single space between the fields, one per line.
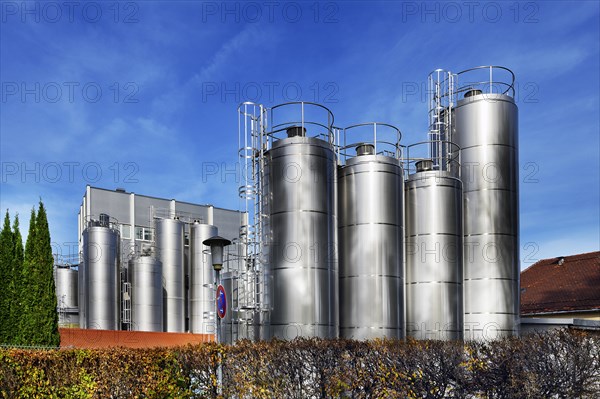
x=236 y=48
x=543 y=63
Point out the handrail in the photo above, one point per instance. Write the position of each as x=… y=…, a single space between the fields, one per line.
x=388 y=138
x=300 y=119
x=448 y=161
x=245 y=103
x=302 y=103
x=510 y=87
x=94 y=221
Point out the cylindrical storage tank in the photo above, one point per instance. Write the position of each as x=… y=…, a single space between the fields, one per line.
x=68 y=318
x=301 y=273
x=230 y=326
x=202 y=280
x=262 y=316
x=145 y=273
x=101 y=278
x=264 y=294
x=371 y=235
x=170 y=241
x=486 y=129
x=434 y=256
x=186 y=277
x=66 y=282
x=67 y=296
x=83 y=297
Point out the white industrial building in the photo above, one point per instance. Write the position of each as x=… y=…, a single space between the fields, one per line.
x=133 y=217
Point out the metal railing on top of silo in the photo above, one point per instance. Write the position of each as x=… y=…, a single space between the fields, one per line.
x=384 y=138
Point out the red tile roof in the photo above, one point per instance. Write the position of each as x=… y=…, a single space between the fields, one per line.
x=548 y=286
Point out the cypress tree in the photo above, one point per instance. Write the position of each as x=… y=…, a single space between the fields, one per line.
x=27 y=279
x=46 y=317
x=6 y=259
x=15 y=288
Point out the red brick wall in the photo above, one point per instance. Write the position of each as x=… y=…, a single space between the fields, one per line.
x=78 y=338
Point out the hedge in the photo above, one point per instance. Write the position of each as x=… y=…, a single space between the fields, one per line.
x=561 y=364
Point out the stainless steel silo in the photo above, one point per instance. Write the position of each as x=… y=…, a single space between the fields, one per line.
x=301 y=273
x=187 y=276
x=66 y=282
x=170 y=240
x=83 y=297
x=230 y=324
x=371 y=235
x=67 y=295
x=239 y=322
x=486 y=128
x=264 y=275
x=101 y=278
x=433 y=254
x=145 y=273
x=202 y=280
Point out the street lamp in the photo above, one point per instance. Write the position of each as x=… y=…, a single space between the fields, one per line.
x=216 y=245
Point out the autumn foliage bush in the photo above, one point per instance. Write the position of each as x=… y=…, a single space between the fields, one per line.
x=560 y=364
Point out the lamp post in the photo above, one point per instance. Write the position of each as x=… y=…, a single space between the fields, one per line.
x=216 y=245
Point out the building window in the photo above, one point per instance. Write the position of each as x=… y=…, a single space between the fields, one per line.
x=125 y=231
x=143 y=233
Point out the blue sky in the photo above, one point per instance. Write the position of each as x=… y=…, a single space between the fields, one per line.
x=143 y=95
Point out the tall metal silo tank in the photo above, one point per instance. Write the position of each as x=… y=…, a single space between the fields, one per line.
x=264 y=275
x=371 y=235
x=233 y=326
x=145 y=273
x=202 y=280
x=434 y=300
x=486 y=129
x=169 y=238
x=66 y=283
x=83 y=297
x=302 y=272
x=101 y=278
x=67 y=296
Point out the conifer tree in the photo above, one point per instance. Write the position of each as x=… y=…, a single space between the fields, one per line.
x=6 y=260
x=45 y=332
x=27 y=279
x=15 y=287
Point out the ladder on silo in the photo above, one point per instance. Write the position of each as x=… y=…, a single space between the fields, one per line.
x=441 y=95
x=253 y=143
